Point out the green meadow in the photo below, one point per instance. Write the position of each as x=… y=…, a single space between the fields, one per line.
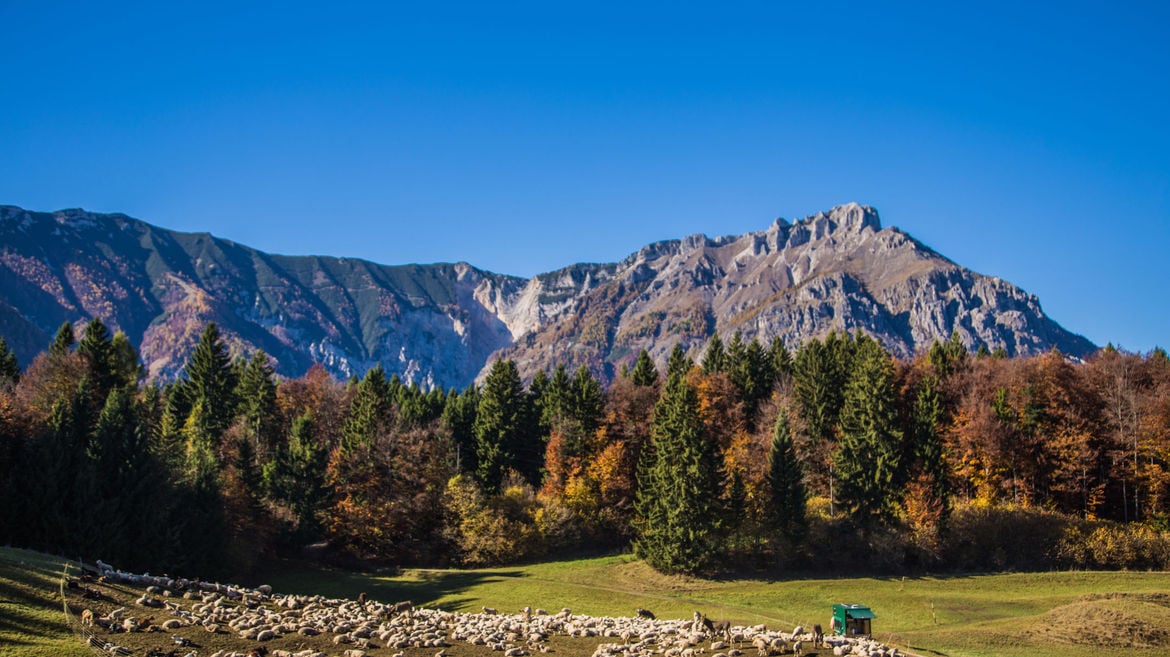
x=1058 y=614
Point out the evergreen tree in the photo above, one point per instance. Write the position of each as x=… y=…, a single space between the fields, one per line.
x=644 y=372
x=63 y=342
x=124 y=365
x=98 y=351
x=678 y=484
x=502 y=437
x=554 y=400
x=257 y=394
x=459 y=418
x=868 y=461
x=786 y=494
x=297 y=476
x=9 y=368
x=780 y=358
x=211 y=381
x=751 y=372
x=678 y=364
x=586 y=401
x=928 y=459
x=947 y=357
x=369 y=409
x=715 y=358
x=820 y=372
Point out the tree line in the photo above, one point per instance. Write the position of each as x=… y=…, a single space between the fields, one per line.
x=835 y=455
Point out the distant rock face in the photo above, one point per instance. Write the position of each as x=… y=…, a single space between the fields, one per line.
x=440 y=325
x=838 y=270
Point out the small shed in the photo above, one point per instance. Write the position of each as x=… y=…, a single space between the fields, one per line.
x=852 y=620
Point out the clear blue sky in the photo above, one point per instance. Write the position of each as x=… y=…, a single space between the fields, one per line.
x=1025 y=140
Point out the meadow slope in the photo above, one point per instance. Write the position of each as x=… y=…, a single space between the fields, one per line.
x=1065 y=614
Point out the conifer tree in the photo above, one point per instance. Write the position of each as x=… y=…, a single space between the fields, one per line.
x=502 y=439
x=211 y=381
x=369 y=409
x=95 y=345
x=9 y=368
x=780 y=358
x=928 y=460
x=63 y=342
x=586 y=400
x=678 y=483
x=715 y=358
x=820 y=372
x=678 y=364
x=307 y=467
x=124 y=365
x=869 y=459
x=751 y=372
x=644 y=372
x=257 y=394
x=786 y=494
x=459 y=418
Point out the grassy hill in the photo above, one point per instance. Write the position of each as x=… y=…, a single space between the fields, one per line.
x=1066 y=614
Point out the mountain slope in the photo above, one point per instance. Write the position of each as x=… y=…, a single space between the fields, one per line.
x=833 y=271
x=440 y=324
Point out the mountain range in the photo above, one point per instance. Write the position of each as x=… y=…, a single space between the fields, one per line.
x=442 y=324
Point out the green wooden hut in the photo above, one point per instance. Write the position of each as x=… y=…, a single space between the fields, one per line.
x=852 y=620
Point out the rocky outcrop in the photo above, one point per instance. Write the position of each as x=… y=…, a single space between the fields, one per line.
x=837 y=270
x=441 y=324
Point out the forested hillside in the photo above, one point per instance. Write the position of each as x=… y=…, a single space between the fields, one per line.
x=739 y=455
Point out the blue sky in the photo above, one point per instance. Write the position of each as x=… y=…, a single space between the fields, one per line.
x=1023 y=140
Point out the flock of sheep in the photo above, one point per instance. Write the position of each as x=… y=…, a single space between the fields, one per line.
x=359 y=627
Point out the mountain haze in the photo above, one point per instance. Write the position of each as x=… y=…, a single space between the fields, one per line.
x=441 y=324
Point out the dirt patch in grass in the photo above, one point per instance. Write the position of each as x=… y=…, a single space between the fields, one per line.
x=1116 y=620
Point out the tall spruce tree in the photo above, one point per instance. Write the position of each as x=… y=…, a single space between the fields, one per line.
x=869 y=459
x=64 y=340
x=257 y=394
x=502 y=432
x=678 y=484
x=819 y=375
x=96 y=347
x=715 y=358
x=678 y=363
x=368 y=411
x=786 y=493
x=926 y=451
x=211 y=381
x=459 y=418
x=644 y=372
x=781 y=359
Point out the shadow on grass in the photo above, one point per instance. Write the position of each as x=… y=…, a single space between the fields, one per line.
x=423 y=588
x=29 y=606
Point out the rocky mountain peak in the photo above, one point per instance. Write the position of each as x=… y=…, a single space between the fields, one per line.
x=444 y=324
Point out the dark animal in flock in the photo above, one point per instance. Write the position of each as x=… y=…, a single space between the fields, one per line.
x=818 y=635
x=259 y=651
x=644 y=613
x=362 y=599
x=717 y=627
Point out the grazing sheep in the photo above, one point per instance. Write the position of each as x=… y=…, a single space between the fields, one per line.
x=798 y=648
x=797 y=631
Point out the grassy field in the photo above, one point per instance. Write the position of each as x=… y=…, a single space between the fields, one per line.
x=1067 y=614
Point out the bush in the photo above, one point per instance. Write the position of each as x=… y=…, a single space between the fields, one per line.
x=983 y=538
x=1107 y=545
